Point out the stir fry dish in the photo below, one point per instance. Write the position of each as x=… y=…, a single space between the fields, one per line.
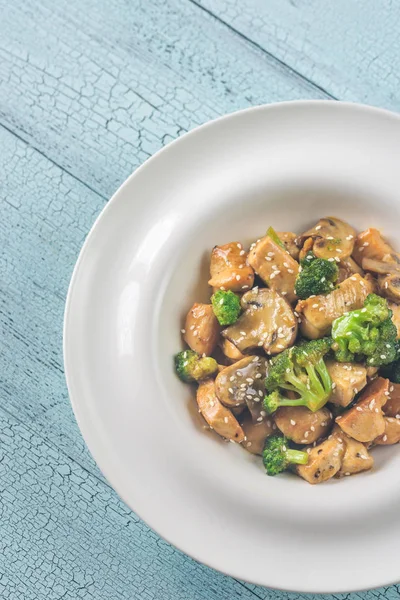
x=297 y=357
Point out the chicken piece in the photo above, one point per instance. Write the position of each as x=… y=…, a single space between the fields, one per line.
x=364 y=421
x=301 y=425
x=231 y=352
x=347 y=380
x=288 y=238
x=275 y=266
x=201 y=329
x=256 y=433
x=318 y=313
x=229 y=268
x=391 y=435
x=395 y=308
x=324 y=461
x=307 y=247
x=356 y=457
x=347 y=268
x=332 y=237
x=267 y=321
x=392 y=406
x=216 y=414
x=371 y=373
x=370 y=244
x=242 y=384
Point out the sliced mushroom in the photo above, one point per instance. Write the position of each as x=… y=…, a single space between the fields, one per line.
x=267 y=321
x=347 y=380
x=256 y=433
x=395 y=308
x=380 y=267
x=364 y=421
x=231 y=352
x=389 y=286
x=216 y=414
x=307 y=247
x=356 y=457
x=288 y=238
x=275 y=266
x=317 y=313
x=301 y=425
x=332 y=238
x=391 y=435
x=324 y=461
x=201 y=329
x=242 y=384
x=347 y=268
x=229 y=268
x=370 y=244
x=392 y=406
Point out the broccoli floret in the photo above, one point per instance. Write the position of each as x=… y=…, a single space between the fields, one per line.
x=226 y=307
x=317 y=276
x=190 y=366
x=277 y=456
x=302 y=370
x=275 y=237
x=367 y=332
x=392 y=371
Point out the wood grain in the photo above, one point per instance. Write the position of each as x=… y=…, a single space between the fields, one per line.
x=101 y=89
x=88 y=91
x=351 y=50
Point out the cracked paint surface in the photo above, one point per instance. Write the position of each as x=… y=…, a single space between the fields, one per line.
x=86 y=95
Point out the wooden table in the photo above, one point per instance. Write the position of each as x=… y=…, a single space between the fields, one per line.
x=88 y=91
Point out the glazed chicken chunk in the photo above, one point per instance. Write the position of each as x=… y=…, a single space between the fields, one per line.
x=229 y=269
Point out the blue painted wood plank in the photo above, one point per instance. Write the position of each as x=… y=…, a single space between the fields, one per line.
x=64 y=534
x=100 y=89
x=350 y=49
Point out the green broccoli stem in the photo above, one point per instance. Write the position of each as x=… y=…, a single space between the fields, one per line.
x=296 y=457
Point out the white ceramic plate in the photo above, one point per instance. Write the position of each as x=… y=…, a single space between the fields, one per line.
x=144 y=263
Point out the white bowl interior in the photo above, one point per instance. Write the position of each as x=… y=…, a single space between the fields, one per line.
x=144 y=264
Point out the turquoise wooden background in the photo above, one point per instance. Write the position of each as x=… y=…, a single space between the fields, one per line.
x=88 y=90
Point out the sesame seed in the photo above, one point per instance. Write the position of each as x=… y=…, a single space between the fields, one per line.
x=371 y=404
x=361 y=249
x=239 y=374
x=195 y=333
x=323 y=279
x=183 y=330
x=249 y=379
x=237 y=277
x=232 y=378
x=284 y=448
x=321 y=308
x=386 y=393
x=338 y=418
x=336 y=453
x=242 y=252
x=280 y=346
x=239 y=246
x=377 y=410
x=292 y=422
x=384 y=439
x=259 y=419
x=245 y=287
x=226 y=419
x=359 y=408
x=318 y=227
x=347 y=473
x=260 y=343
x=338 y=250
x=383 y=356
x=268 y=258
x=242 y=332
x=349 y=237
x=271 y=253
x=312 y=428
x=331 y=259
x=315 y=305
x=391 y=388
x=240 y=266
x=248 y=444
x=303 y=442
x=258 y=376
x=366 y=244
x=212 y=402
x=337 y=259
x=397 y=416
x=333 y=385
x=263 y=413
x=222 y=288
x=260 y=393
x=290 y=271
x=230 y=390
x=330 y=237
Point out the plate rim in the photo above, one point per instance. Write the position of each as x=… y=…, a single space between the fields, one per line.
x=84 y=426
